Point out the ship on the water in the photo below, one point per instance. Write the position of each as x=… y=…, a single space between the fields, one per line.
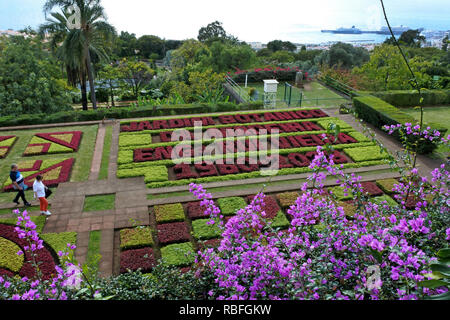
x=383 y=30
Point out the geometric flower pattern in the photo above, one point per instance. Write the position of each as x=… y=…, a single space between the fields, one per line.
x=6 y=142
x=53 y=172
x=55 y=142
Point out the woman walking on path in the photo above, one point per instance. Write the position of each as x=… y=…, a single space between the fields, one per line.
x=39 y=192
x=18 y=184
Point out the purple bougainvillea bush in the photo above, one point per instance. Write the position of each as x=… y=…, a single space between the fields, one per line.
x=382 y=252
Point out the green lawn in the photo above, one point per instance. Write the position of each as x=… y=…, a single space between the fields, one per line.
x=99 y=203
x=103 y=175
x=83 y=157
x=316 y=96
x=440 y=115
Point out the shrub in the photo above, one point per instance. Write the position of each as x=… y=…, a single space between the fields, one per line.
x=287 y=199
x=280 y=221
x=134 y=140
x=58 y=241
x=135 y=238
x=371 y=188
x=340 y=193
x=195 y=210
x=411 y=98
x=150 y=173
x=169 y=213
x=387 y=185
x=366 y=153
x=229 y=206
x=137 y=259
x=380 y=113
x=384 y=198
x=180 y=255
x=204 y=231
x=8 y=256
x=173 y=232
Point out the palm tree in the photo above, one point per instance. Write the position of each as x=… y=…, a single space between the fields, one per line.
x=75 y=47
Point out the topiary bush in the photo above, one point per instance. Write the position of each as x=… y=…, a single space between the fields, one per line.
x=229 y=206
x=169 y=213
x=135 y=238
x=204 y=231
x=179 y=255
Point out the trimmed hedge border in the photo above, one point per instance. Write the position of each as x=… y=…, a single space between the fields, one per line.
x=411 y=98
x=380 y=113
x=122 y=113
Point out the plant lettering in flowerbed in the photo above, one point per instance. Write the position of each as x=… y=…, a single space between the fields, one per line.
x=225 y=119
x=55 y=142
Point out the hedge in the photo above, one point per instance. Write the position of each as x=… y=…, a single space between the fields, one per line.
x=366 y=153
x=411 y=98
x=58 y=241
x=280 y=221
x=229 y=206
x=123 y=113
x=179 y=255
x=169 y=213
x=204 y=231
x=8 y=256
x=384 y=198
x=287 y=199
x=380 y=113
x=135 y=238
x=387 y=185
x=255 y=174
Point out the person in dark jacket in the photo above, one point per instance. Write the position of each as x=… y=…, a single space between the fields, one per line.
x=19 y=185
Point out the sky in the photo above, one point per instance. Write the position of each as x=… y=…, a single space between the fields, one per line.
x=249 y=20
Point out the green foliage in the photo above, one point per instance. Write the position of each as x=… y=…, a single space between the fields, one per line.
x=9 y=259
x=387 y=185
x=123 y=113
x=135 y=238
x=278 y=45
x=384 y=198
x=229 y=206
x=169 y=213
x=134 y=140
x=440 y=276
x=180 y=255
x=151 y=174
x=410 y=98
x=366 y=153
x=380 y=113
x=30 y=79
x=99 y=203
x=343 y=55
x=204 y=231
x=58 y=241
x=387 y=70
x=135 y=75
x=280 y=221
x=340 y=194
x=39 y=221
x=287 y=199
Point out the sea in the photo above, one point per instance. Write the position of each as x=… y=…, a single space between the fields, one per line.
x=318 y=37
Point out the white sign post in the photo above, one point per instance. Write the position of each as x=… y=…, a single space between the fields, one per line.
x=270 y=93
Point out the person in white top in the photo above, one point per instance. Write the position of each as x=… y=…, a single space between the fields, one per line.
x=39 y=192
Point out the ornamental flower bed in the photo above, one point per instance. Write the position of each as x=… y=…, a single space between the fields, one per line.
x=135 y=238
x=43 y=256
x=169 y=213
x=53 y=143
x=300 y=131
x=173 y=232
x=6 y=143
x=132 y=260
x=195 y=210
x=54 y=172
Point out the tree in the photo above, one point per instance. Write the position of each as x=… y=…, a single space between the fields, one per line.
x=126 y=45
x=215 y=32
x=343 y=55
x=410 y=38
x=135 y=75
x=386 y=70
x=149 y=45
x=30 y=79
x=445 y=42
x=110 y=77
x=278 y=45
x=283 y=56
x=225 y=57
x=79 y=43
